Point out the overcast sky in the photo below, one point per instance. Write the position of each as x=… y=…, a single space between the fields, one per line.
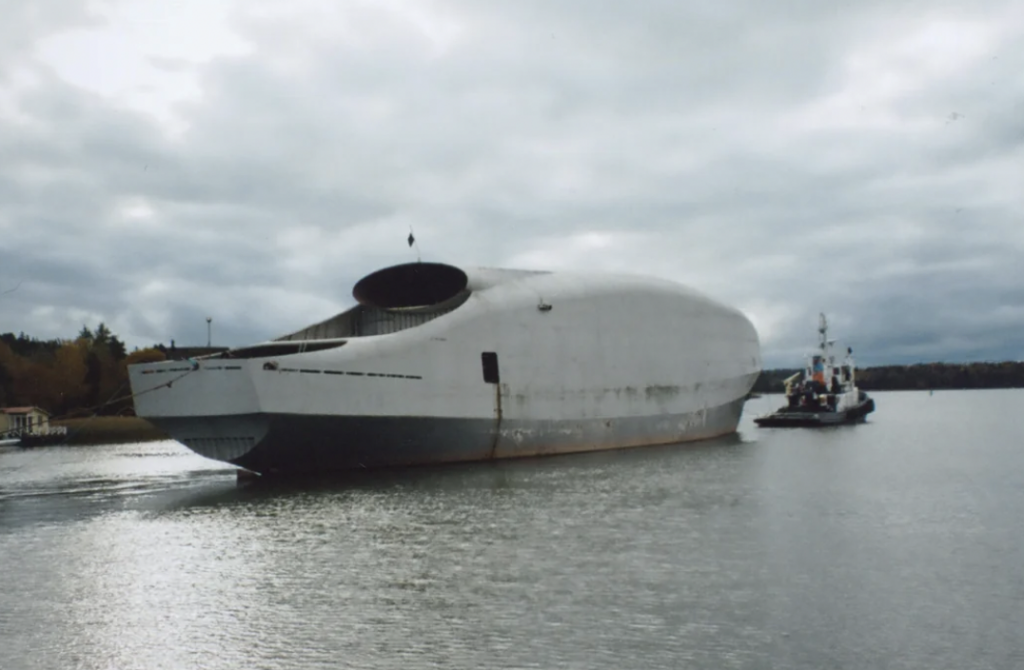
x=165 y=161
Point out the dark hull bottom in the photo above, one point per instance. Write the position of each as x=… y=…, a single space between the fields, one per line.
x=42 y=440
x=784 y=419
x=302 y=444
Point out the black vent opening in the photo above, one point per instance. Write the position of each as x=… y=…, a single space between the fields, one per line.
x=410 y=285
x=489 y=359
x=279 y=349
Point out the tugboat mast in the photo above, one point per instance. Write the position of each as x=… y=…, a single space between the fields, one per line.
x=823 y=331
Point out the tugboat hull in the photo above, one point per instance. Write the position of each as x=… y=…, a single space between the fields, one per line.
x=796 y=419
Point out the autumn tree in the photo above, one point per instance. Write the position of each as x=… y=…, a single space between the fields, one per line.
x=150 y=355
x=87 y=374
x=70 y=370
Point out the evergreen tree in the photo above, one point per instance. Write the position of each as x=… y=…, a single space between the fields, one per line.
x=117 y=348
x=102 y=335
x=93 y=376
x=5 y=384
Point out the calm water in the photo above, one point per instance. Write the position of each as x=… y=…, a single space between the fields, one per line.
x=892 y=544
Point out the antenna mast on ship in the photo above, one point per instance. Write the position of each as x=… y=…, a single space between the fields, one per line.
x=412 y=242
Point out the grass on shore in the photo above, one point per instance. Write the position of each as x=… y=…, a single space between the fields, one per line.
x=110 y=430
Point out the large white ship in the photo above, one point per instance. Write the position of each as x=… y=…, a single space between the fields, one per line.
x=441 y=364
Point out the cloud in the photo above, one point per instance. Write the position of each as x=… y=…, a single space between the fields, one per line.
x=864 y=161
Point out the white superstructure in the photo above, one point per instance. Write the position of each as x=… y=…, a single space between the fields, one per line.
x=438 y=364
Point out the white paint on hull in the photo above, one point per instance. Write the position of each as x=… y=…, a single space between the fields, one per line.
x=609 y=348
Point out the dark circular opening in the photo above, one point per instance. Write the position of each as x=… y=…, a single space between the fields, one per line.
x=410 y=285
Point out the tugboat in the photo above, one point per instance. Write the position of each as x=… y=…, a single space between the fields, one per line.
x=827 y=394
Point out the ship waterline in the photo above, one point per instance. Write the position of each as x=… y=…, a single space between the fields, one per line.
x=437 y=364
x=283 y=443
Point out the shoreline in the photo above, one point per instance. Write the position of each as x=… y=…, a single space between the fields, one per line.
x=102 y=430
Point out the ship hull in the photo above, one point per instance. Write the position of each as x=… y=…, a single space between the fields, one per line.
x=500 y=365
x=303 y=444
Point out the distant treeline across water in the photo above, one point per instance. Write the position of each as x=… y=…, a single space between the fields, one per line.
x=919 y=377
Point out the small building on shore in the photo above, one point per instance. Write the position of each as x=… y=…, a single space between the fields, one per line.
x=24 y=419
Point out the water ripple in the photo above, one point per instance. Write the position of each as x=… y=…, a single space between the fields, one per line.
x=892 y=544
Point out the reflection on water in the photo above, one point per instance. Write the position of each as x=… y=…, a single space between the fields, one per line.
x=890 y=544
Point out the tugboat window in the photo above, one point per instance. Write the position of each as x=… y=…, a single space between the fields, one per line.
x=490 y=364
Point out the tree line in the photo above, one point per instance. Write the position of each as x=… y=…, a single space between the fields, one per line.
x=918 y=377
x=81 y=376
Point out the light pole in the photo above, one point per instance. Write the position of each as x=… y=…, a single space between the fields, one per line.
x=209 y=330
